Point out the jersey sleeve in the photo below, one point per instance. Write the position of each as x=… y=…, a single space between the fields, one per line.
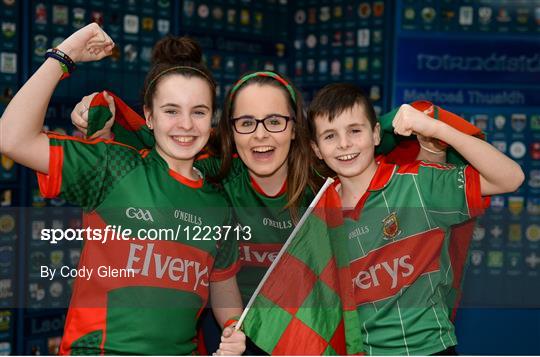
x=451 y=193
x=83 y=171
x=227 y=261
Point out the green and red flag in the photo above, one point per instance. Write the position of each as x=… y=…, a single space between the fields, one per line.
x=128 y=128
x=304 y=305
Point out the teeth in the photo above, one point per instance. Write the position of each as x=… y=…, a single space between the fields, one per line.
x=263 y=149
x=347 y=157
x=184 y=139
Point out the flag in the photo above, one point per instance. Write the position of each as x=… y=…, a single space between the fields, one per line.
x=305 y=305
x=128 y=128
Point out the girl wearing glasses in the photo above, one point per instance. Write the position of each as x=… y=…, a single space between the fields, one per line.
x=264 y=163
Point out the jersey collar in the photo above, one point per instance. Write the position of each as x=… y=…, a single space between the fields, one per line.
x=383 y=175
x=153 y=154
x=259 y=189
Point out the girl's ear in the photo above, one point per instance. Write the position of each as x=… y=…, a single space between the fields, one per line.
x=148 y=116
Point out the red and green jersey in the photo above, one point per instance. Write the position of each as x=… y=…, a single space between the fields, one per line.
x=155 y=308
x=269 y=224
x=399 y=244
x=263 y=218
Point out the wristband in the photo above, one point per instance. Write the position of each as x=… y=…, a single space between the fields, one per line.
x=231 y=321
x=66 y=63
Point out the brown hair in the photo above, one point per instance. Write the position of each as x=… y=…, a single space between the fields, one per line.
x=176 y=55
x=300 y=157
x=334 y=99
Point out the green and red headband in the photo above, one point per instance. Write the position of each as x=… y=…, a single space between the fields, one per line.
x=273 y=75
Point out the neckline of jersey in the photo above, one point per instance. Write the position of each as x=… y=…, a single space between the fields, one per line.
x=259 y=189
x=175 y=175
x=381 y=179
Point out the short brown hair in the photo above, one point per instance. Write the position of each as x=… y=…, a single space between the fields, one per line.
x=334 y=99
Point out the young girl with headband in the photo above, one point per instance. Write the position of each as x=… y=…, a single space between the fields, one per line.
x=154 y=308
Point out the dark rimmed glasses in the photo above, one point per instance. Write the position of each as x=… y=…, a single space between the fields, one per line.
x=274 y=123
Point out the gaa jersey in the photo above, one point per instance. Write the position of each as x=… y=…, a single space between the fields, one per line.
x=400 y=264
x=153 y=306
x=264 y=221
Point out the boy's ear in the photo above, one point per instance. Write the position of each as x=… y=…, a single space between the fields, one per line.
x=148 y=116
x=315 y=148
x=377 y=134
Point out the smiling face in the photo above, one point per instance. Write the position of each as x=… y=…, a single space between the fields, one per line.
x=180 y=118
x=347 y=144
x=264 y=153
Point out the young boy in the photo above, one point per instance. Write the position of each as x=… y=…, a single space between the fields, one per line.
x=399 y=218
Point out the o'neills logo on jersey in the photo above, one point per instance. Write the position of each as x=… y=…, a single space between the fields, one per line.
x=139 y=214
x=183 y=272
x=261 y=255
x=384 y=271
x=359 y=231
x=187 y=217
x=277 y=224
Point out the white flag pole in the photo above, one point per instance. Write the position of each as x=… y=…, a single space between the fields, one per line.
x=306 y=214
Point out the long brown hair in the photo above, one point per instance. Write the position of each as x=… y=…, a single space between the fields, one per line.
x=300 y=158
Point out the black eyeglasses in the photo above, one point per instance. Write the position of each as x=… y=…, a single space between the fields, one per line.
x=274 y=123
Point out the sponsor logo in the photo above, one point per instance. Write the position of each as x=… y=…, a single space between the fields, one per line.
x=385 y=271
x=144 y=261
x=261 y=255
x=277 y=224
x=139 y=214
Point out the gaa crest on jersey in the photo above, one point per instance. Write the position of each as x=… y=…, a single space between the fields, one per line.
x=391 y=226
